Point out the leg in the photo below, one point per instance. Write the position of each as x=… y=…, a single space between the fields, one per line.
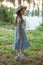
x=21 y=51
x=17 y=51
x=21 y=54
x=17 y=57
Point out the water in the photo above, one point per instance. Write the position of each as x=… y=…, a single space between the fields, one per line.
x=32 y=22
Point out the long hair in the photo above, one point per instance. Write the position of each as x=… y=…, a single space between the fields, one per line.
x=18 y=14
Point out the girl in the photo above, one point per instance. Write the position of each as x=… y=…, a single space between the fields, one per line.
x=21 y=40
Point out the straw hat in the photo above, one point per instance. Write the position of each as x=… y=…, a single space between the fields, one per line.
x=20 y=7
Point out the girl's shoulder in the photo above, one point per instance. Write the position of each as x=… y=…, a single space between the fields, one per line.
x=19 y=19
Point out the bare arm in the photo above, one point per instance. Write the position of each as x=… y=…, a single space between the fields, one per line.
x=19 y=22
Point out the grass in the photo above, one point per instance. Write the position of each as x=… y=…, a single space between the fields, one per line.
x=7 y=25
x=34 y=54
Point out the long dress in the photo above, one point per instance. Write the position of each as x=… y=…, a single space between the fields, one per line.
x=23 y=43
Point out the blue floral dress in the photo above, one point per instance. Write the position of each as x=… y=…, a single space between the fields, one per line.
x=23 y=43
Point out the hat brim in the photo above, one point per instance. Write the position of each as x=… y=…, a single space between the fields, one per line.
x=24 y=7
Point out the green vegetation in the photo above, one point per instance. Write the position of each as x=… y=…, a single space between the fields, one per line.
x=7 y=25
x=6 y=14
x=1 y=0
x=34 y=54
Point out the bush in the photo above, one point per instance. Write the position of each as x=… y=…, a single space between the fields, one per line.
x=1 y=0
x=6 y=14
